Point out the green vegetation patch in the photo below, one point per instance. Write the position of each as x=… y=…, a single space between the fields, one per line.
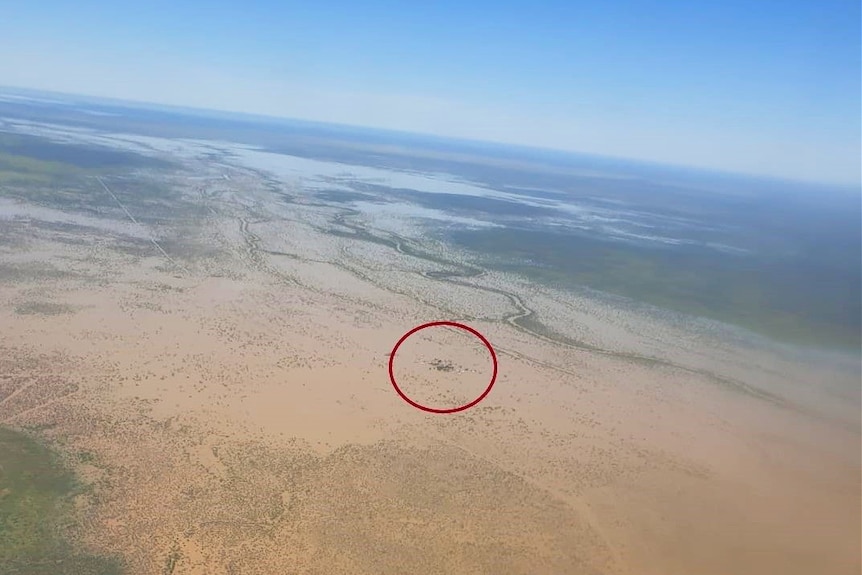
x=34 y=272
x=39 y=151
x=43 y=308
x=800 y=301
x=41 y=167
x=35 y=510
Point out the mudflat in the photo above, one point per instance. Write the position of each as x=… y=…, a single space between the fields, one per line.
x=211 y=360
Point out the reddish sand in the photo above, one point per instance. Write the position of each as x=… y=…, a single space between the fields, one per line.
x=238 y=412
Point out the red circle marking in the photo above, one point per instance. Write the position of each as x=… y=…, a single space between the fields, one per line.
x=449 y=324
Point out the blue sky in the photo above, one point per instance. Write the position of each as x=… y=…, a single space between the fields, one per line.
x=763 y=86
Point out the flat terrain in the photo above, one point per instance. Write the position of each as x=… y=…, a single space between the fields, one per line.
x=203 y=338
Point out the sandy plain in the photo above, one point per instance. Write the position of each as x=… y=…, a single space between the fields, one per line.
x=228 y=385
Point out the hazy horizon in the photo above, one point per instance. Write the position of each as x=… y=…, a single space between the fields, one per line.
x=770 y=92
x=67 y=98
